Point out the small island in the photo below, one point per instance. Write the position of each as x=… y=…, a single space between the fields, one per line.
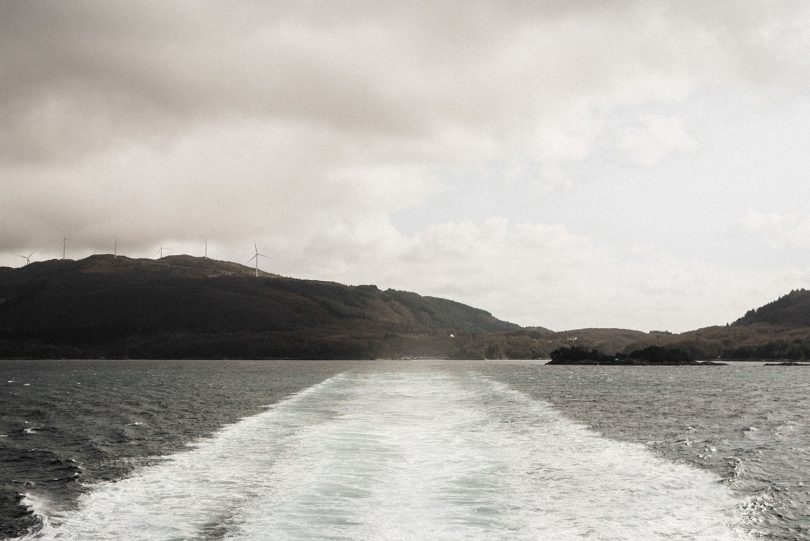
x=649 y=356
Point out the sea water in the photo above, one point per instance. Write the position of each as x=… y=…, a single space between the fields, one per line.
x=405 y=450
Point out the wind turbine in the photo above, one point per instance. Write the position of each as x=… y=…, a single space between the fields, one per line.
x=162 y=248
x=206 y=249
x=27 y=257
x=256 y=256
x=64 y=245
x=115 y=249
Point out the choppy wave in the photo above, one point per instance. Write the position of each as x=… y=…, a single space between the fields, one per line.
x=412 y=455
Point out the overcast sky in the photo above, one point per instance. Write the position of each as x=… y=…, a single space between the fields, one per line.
x=558 y=163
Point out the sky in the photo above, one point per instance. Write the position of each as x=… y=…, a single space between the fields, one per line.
x=565 y=164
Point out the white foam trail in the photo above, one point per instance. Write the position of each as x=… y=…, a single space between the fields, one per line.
x=411 y=455
x=192 y=492
x=38 y=506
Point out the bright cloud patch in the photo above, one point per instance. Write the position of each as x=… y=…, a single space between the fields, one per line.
x=653 y=139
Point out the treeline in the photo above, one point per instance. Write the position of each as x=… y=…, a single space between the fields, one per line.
x=648 y=355
x=791 y=310
x=307 y=344
x=771 y=351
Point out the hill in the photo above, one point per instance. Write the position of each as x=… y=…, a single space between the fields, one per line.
x=183 y=306
x=777 y=330
x=190 y=307
x=791 y=310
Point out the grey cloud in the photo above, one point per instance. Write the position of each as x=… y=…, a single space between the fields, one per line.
x=310 y=124
x=80 y=76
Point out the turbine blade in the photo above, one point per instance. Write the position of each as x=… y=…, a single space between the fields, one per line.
x=32 y=253
x=255 y=248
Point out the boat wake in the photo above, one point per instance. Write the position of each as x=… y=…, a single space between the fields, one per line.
x=405 y=455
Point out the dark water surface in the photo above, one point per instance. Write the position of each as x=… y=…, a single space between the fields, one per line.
x=68 y=424
x=748 y=424
x=356 y=450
